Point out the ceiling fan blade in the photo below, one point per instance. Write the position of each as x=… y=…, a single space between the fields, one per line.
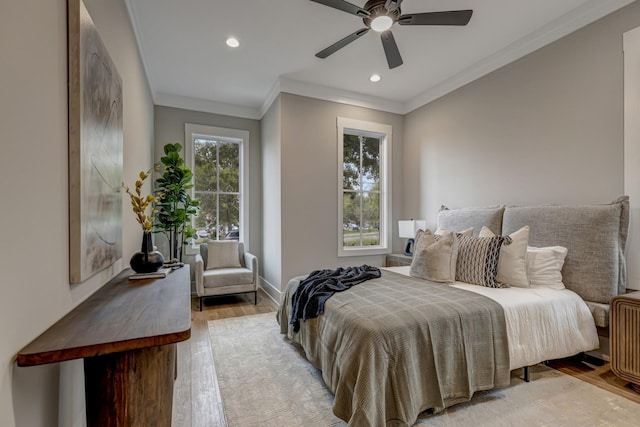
x=342 y=43
x=454 y=17
x=344 y=6
x=391 y=49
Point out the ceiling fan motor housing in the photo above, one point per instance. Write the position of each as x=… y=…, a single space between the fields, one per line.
x=376 y=8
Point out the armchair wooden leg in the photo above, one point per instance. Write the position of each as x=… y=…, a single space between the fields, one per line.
x=255 y=298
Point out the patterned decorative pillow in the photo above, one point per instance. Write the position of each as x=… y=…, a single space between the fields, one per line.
x=434 y=257
x=477 y=261
x=512 y=265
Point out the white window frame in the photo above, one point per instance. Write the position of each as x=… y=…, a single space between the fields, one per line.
x=193 y=131
x=383 y=131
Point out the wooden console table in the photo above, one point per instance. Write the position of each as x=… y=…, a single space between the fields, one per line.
x=127 y=333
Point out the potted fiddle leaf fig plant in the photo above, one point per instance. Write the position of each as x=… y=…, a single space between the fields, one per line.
x=175 y=205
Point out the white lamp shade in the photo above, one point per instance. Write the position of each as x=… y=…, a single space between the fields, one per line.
x=407 y=229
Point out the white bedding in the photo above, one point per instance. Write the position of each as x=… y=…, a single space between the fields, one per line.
x=542 y=323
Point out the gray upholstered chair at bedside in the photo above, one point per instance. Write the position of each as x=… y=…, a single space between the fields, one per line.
x=224 y=268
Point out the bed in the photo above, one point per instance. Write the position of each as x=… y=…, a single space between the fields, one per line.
x=395 y=346
x=573 y=328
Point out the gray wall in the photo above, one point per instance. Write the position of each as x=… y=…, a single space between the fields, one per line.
x=35 y=290
x=308 y=156
x=169 y=128
x=271 y=199
x=547 y=128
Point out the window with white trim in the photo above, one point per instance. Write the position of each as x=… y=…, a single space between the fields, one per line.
x=217 y=157
x=364 y=196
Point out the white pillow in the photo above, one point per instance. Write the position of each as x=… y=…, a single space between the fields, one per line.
x=223 y=255
x=544 y=266
x=512 y=264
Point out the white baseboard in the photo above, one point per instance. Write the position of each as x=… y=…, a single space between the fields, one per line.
x=272 y=292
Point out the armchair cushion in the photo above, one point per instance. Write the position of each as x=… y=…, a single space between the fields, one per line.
x=227 y=277
x=222 y=254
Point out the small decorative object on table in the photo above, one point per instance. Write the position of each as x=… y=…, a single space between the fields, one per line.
x=163 y=272
x=174 y=264
x=147 y=260
x=407 y=229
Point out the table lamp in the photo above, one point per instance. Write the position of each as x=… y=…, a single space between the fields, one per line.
x=407 y=229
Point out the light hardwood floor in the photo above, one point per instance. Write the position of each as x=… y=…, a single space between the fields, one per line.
x=197 y=401
x=196 y=396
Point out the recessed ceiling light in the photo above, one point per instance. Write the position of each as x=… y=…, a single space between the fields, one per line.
x=381 y=23
x=233 y=42
x=375 y=77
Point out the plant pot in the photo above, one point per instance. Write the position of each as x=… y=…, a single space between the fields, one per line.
x=147 y=260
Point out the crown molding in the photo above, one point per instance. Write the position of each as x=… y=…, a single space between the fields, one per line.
x=206 y=106
x=271 y=96
x=326 y=93
x=133 y=19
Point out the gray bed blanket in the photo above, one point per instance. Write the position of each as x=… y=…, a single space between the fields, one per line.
x=395 y=346
x=311 y=294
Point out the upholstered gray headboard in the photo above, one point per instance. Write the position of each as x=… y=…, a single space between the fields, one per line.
x=595 y=236
x=461 y=219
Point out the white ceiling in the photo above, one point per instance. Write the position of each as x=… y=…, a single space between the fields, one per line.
x=188 y=64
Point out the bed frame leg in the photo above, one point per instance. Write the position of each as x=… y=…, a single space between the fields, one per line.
x=526 y=373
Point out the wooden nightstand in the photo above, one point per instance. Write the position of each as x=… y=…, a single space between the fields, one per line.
x=624 y=326
x=396 y=260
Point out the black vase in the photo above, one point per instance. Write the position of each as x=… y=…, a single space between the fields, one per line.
x=147 y=260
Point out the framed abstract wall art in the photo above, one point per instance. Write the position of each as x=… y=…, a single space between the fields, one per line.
x=95 y=149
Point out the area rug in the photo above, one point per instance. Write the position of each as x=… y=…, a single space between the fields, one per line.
x=265 y=381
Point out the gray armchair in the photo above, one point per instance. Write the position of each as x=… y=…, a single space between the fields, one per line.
x=225 y=277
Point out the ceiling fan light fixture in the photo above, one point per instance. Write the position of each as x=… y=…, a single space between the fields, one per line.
x=375 y=78
x=232 y=42
x=381 y=23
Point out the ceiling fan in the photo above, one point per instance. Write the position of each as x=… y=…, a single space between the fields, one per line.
x=380 y=15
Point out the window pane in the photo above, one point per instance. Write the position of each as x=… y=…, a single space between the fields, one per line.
x=351 y=219
x=371 y=219
x=229 y=153
x=205 y=165
x=361 y=225
x=205 y=222
x=370 y=163
x=229 y=216
x=351 y=162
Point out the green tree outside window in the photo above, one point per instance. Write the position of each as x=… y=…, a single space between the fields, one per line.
x=361 y=190
x=217 y=187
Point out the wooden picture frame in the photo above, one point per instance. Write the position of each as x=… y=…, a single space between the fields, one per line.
x=95 y=149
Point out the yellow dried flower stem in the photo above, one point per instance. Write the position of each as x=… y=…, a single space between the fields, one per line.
x=139 y=203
